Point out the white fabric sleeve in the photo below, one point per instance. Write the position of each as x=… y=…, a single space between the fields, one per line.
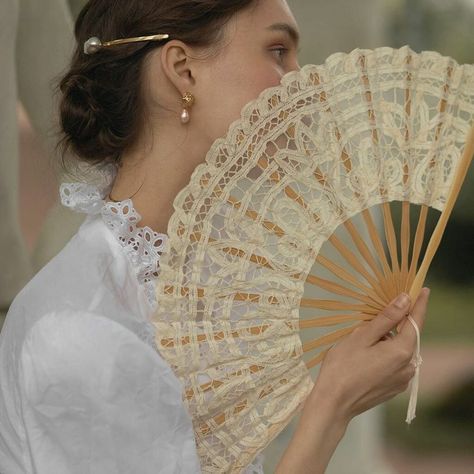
x=96 y=399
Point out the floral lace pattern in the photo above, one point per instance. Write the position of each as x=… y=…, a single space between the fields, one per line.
x=143 y=246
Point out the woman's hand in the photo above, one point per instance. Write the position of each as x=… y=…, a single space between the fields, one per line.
x=369 y=367
x=366 y=368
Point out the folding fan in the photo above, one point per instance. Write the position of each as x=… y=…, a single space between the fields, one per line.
x=381 y=130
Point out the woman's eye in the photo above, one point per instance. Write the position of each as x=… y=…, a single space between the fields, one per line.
x=280 y=52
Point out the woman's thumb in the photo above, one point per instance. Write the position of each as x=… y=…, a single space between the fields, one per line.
x=388 y=318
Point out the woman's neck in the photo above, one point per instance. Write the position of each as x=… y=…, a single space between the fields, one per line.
x=153 y=179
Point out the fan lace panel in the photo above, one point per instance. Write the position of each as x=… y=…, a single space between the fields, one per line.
x=346 y=157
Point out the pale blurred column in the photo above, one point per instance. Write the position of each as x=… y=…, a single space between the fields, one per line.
x=35 y=48
x=328 y=27
x=45 y=47
x=14 y=260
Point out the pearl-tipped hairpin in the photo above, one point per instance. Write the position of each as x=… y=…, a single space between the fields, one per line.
x=94 y=44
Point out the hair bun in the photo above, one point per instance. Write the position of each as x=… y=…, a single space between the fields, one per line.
x=81 y=115
x=83 y=118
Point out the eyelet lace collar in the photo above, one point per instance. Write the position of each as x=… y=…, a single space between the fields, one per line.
x=143 y=246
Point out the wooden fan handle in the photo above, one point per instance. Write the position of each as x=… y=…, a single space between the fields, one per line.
x=443 y=219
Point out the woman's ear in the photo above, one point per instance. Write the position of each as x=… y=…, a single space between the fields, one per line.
x=178 y=65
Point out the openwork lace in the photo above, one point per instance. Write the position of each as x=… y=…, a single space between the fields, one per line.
x=323 y=151
x=143 y=246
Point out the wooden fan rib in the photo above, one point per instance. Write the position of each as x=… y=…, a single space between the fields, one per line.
x=377 y=242
x=217 y=336
x=316 y=360
x=352 y=260
x=405 y=223
x=367 y=255
x=322 y=321
x=405 y=244
x=388 y=223
x=370 y=109
x=334 y=305
x=306 y=347
x=348 y=255
x=206 y=427
x=314 y=280
x=269 y=225
x=328 y=338
x=343 y=250
x=343 y=274
x=340 y=290
x=391 y=242
x=443 y=103
x=289 y=191
x=418 y=242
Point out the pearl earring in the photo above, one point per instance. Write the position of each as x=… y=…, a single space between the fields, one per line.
x=187 y=101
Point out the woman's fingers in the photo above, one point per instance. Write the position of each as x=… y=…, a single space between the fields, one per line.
x=407 y=333
x=387 y=319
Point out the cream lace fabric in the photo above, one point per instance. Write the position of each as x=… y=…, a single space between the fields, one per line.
x=331 y=141
x=142 y=246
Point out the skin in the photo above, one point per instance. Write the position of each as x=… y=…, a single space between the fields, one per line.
x=371 y=366
x=166 y=155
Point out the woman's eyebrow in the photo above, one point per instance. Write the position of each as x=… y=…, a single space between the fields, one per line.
x=287 y=28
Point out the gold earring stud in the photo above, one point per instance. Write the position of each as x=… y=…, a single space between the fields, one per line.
x=187 y=100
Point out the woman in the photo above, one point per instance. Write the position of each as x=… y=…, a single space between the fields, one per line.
x=83 y=387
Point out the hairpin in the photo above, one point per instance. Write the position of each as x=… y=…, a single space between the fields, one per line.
x=93 y=44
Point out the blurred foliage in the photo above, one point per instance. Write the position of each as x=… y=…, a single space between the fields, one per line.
x=445 y=27
x=456 y=404
x=449 y=316
x=429 y=432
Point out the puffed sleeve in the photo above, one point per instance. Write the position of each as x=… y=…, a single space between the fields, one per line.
x=96 y=399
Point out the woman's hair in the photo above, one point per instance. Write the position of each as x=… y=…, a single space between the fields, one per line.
x=101 y=105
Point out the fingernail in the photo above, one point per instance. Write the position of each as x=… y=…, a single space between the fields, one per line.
x=427 y=290
x=402 y=301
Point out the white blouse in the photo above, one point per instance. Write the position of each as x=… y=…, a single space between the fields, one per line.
x=83 y=388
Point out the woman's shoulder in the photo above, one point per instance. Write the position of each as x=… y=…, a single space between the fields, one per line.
x=69 y=344
x=89 y=273
x=72 y=271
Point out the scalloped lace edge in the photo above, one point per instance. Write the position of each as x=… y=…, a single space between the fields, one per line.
x=143 y=246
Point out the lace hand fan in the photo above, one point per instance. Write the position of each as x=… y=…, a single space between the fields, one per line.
x=384 y=131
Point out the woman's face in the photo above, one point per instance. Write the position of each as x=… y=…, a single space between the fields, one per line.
x=261 y=46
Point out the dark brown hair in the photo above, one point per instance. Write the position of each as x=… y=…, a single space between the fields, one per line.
x=101 y=108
